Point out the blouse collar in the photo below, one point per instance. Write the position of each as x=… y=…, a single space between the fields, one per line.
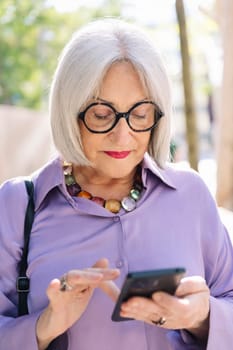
x=51 y=176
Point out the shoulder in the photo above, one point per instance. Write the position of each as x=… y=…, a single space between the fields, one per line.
x=175 y=175
x=190 y=184
x=13 y=202
x=193 y=192
x=184 y=177
x=12 y=190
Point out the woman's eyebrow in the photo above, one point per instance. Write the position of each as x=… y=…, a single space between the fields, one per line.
x=105 y=101
x=111 y=103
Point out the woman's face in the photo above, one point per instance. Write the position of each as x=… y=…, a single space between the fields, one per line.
x=116 y=153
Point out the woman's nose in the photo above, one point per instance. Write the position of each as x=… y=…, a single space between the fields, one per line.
x=121 y=131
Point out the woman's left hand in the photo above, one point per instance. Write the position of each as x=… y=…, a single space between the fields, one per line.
x=188 y=309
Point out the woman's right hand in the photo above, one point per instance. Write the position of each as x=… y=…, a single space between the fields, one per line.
x=66 y=307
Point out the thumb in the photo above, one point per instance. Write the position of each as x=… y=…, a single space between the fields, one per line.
x=102 y=263
x=191 y=285
x=53 y=288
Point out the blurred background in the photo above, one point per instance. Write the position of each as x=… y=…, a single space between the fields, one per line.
x=195 y=40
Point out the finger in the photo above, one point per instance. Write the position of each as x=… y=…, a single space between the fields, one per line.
x=167 y=304
x=187 y=307
x=102 y=266
x=190 y=285
x=151 y=319
x=162 y=298
x=53 y=288
x=90 y=277
x=110 y=288
x=140 y=306
x=133 y=314
x=102 y=263
x=107 y=273
x=83 y=277
x=145 y=310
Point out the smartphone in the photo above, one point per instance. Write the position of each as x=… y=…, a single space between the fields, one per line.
x=145 y=283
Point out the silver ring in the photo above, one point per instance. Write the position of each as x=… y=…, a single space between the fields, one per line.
x=159 y=322
x=64 y=285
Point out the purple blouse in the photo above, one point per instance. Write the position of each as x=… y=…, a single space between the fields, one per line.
x=176 y=223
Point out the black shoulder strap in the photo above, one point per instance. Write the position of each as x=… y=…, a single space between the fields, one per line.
x=23 y=282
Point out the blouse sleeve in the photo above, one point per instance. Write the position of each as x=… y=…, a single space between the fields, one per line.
x=217 y=254
x=218 y=261
x=15 y=332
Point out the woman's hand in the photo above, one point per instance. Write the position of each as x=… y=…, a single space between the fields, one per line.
x=188 y=309
x=66 y=307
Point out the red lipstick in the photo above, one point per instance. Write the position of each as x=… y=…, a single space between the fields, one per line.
x=117 y=155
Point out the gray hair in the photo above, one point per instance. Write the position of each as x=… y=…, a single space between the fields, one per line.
x=80 y=71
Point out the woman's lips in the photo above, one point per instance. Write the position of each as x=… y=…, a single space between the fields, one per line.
x=118 y=155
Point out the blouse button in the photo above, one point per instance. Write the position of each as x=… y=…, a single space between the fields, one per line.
x=116 y=218
x=119 y=263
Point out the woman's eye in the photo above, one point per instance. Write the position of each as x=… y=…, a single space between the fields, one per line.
x=102 y=116
x=139 y=116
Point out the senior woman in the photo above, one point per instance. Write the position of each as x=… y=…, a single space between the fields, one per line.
x=109 y=204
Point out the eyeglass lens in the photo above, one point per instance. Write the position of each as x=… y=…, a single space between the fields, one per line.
x=101 y=117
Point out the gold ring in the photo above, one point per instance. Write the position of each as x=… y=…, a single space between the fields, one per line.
x=159 y=322
x=64 y=285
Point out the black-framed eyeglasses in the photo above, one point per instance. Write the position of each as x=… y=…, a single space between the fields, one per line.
x=100 y=117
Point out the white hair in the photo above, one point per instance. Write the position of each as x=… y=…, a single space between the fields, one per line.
x=79 y=74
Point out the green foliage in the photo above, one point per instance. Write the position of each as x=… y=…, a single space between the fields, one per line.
x=109 y=8
x=32 y=34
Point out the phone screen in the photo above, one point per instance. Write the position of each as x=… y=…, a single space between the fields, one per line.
x=145 y=283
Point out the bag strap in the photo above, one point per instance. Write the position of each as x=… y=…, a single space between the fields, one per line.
x=23 y=282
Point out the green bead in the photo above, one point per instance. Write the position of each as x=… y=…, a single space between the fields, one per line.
x=135 y=194
x=69 y=179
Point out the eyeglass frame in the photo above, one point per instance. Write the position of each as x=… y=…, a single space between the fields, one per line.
x=158 y=115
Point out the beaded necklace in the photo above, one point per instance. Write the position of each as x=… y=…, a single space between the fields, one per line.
x=127 y=203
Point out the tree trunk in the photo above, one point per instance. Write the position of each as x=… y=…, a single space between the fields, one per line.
x=224 y=193
x=190 y=116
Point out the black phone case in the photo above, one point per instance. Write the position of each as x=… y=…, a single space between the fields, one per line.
x=145 y=283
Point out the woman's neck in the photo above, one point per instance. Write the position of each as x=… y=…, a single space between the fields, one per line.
x=98 y=184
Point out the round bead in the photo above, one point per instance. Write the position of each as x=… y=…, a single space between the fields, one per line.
x=69 y=180
x=113 y=205
x=135 y=194
x=73 y=189
x=128 y=203
x=98 y=200
x=68 y=170
x=84 y=194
